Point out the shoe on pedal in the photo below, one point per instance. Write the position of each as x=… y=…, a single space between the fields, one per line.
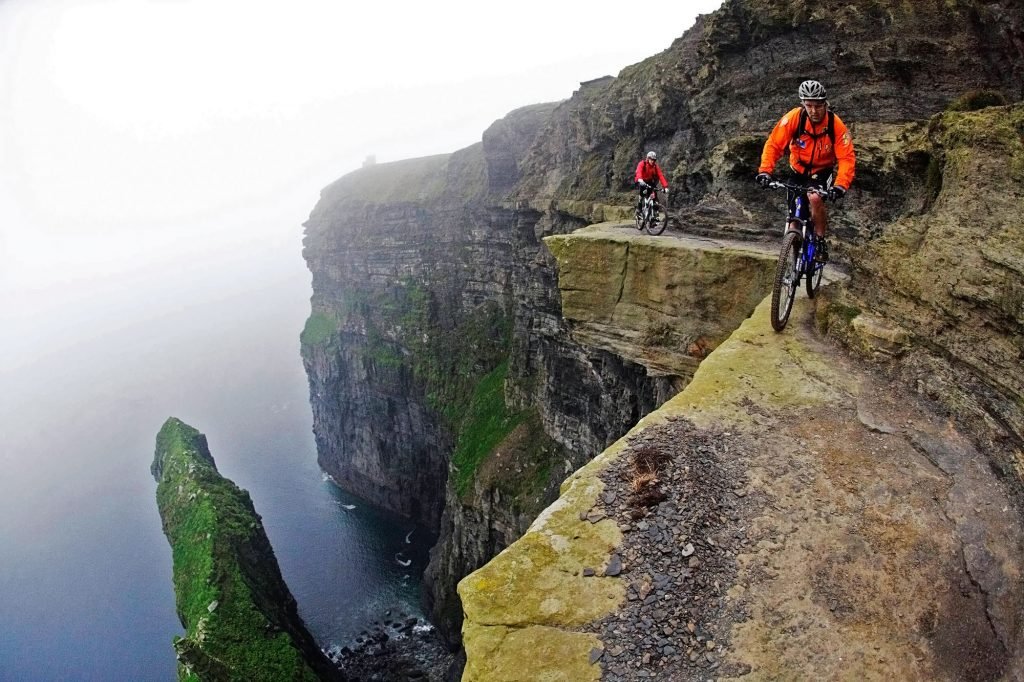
x=820 y=250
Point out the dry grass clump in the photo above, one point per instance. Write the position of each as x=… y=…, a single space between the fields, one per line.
x=642 y=476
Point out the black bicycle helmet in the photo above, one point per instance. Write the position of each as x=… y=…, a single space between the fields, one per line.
x=812 y=90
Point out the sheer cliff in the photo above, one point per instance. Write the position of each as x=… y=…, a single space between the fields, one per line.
x=422 y=300
x=447 y=381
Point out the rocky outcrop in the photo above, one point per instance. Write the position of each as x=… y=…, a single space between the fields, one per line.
x=240 y=620
x=664 y=304
x=417 y=299
x=947 y=281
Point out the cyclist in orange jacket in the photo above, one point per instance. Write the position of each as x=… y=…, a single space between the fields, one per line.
x=818 y=143
x=648 y=174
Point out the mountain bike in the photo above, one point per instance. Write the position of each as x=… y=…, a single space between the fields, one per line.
x=649 y=215
x=796 y=258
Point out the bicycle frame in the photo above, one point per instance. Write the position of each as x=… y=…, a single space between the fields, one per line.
x=796 y=196
x=796 y=259
x=650 y=198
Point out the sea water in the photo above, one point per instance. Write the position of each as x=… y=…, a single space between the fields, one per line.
x=89 y=370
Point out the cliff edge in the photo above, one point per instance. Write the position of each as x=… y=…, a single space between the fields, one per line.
x=789 y=515
x=240 y=620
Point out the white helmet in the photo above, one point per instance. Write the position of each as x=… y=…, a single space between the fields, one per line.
x=651 y=156
x=811 y=90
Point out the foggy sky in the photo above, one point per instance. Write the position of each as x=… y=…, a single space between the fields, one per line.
x=137 y=135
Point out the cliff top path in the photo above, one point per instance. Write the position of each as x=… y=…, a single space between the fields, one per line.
x=789 y=515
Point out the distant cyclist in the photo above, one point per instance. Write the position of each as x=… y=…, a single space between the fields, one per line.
x=818 y=142
x=648 y=174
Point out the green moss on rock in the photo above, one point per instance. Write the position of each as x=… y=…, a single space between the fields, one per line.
x=978 y=99
x=240 y=620
x=319 y=329
x=487 y=422
x=554 y=655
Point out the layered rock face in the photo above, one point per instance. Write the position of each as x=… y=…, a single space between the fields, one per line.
x=410 y=301
x=942 y=288
x=240 y=619
x=662 y=303
x=737 y=71
x=429 y=273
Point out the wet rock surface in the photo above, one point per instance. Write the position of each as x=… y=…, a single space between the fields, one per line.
x=400 y=648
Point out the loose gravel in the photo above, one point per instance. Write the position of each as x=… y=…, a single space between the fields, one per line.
x=676 y=492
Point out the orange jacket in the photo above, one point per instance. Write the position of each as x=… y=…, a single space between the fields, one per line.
x=804 y=150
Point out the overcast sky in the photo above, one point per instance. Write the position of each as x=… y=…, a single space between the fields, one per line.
x=140 y=129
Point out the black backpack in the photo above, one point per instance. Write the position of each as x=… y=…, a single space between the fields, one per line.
x=801 y=128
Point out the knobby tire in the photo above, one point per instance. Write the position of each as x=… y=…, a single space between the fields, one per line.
x=645 y=217
x=656 y=226
x=814 y=279
x=786 y=281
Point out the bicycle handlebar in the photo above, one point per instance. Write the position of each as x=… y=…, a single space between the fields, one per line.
x=778 y=184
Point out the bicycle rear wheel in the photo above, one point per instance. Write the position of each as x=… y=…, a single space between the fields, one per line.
x=787 y=280
x=656 y=225
x=814 y=279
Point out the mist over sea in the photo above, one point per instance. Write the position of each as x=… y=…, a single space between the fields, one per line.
x=90 y=365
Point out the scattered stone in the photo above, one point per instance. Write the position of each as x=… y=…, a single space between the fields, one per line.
x=656 y=632
x=589 y=572
x=595 y=655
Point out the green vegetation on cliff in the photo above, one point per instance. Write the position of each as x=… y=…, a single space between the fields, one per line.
x=487 y=423
x=319 y=328
x=448 y=357
x=240 y=620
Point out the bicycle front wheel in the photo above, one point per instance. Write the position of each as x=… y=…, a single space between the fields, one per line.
x=656 y=225
x=787 y=281
x=645 y=218
x=814 y=279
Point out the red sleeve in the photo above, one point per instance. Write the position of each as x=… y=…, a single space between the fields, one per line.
x=639 y=167
x=661 y=176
